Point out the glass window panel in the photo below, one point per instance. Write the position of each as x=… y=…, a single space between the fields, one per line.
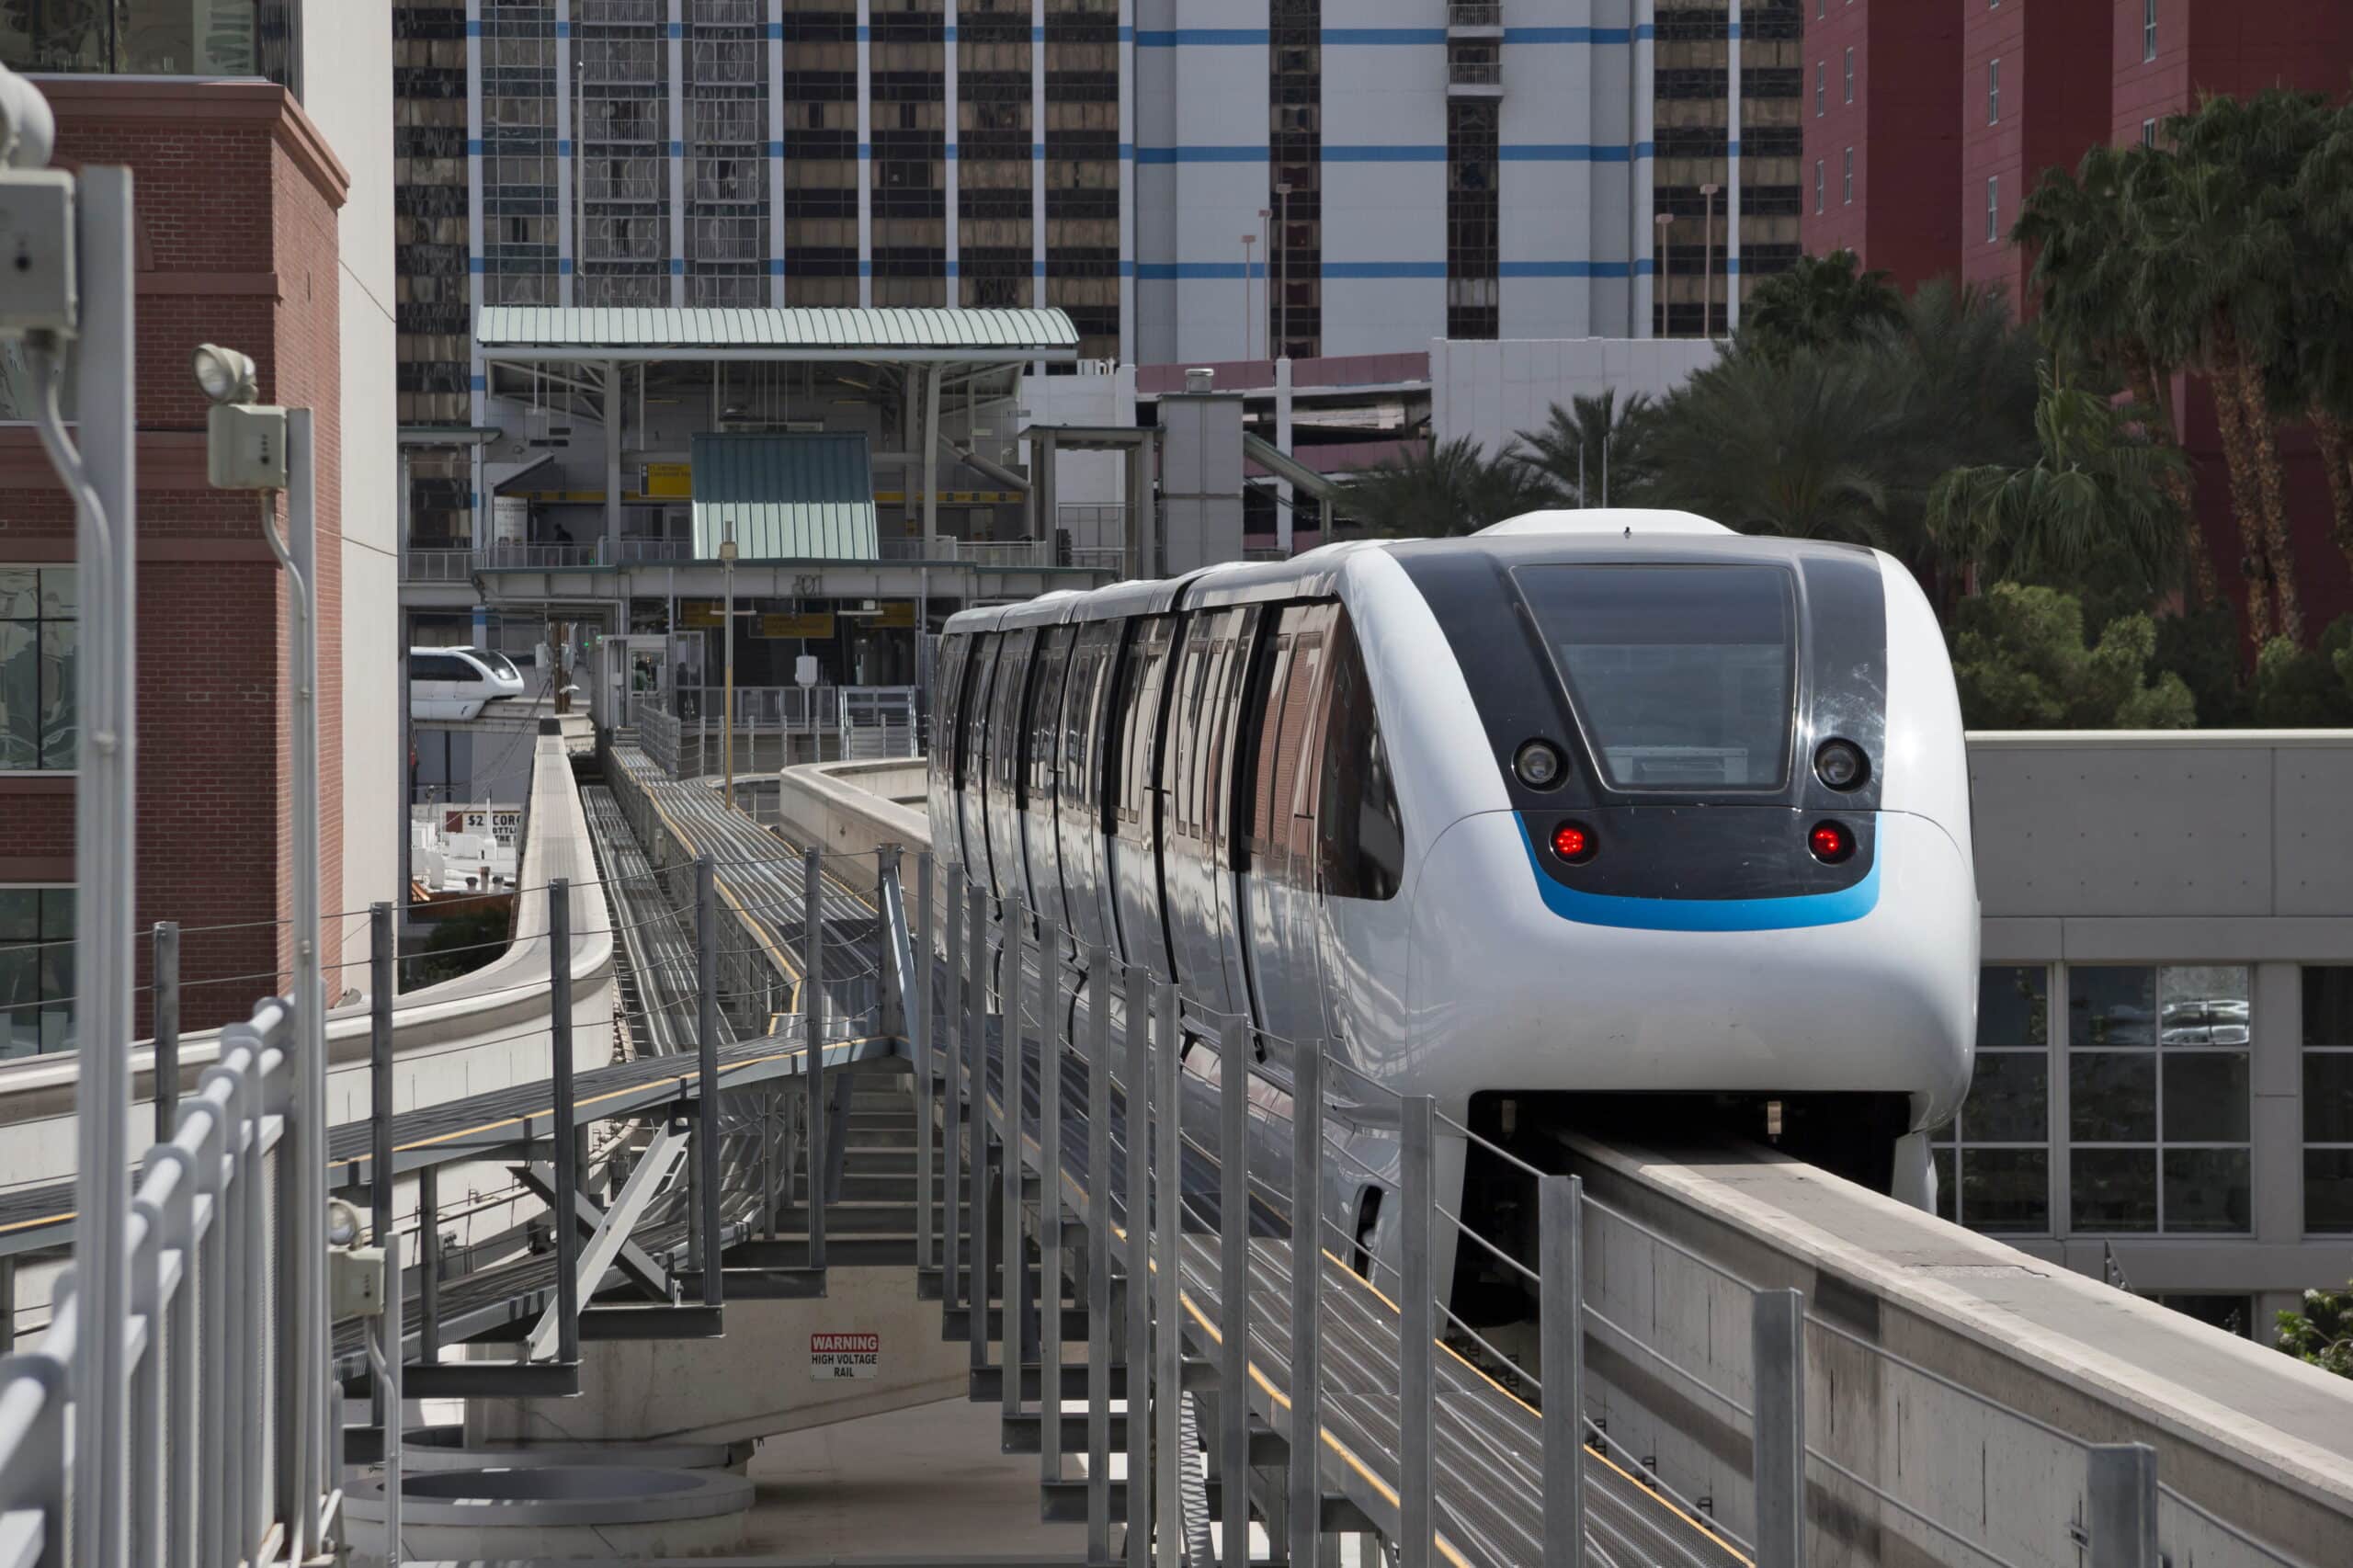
x=20 y=697
x=2006 y=1190
x=2009 y=1096
x=60 y=719
x=1945 y=1188
x=2207 y=1190
x=2203 y=1005
x=2328 y=1003
x=2113 y=1189
x=2328 y=1097
x=56 y=913
x=2328 y=1191
x=2206 y=1097
x=20 y=915
x=2013 y=1005
x=20 y=592
x=2111 y=1005
x=61 y=592
x=2112 y=1098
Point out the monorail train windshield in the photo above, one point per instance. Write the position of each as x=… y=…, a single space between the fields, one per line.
x=1681 y=675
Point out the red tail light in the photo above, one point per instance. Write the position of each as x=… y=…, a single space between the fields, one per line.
x=1831 y=842
x=1574 y=842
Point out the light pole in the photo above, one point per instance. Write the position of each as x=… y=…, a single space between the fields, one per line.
x=1266 y=229
x=1708 y=265
x=1665 y=221
x=1283 y=266
x=1248 y=241
x=727 y=638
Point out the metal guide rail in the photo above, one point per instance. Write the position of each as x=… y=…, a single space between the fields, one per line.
x=1165 y=1187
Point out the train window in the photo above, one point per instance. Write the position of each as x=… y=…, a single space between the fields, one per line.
x=1005 y=716
x=1258 y=838
x=1229 y=757
x=1045 y=710
x=946 y=738
x=1361 y=833
x=1681 y=675
x=1283 y=810
x=1083 y=721
x=1181 y=773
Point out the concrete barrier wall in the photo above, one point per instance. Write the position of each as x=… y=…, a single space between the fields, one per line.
x=480 y=1031
x=1958 y=1376
x=855 y=808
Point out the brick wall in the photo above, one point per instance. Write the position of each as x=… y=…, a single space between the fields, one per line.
x=236 y=198
x=1900 y=127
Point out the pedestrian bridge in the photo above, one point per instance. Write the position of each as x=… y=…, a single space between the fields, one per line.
x=841 y=1064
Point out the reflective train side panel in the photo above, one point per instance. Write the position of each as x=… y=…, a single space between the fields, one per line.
x=1604 y=804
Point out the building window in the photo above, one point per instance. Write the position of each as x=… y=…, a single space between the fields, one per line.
x=1818 y=184
x=40 y=637
x=2231 y=1314
x=2328 y=1099
x=152 y=38
x=1993 y=209
x=1850 y=74
x=2148 y=133
x=2157 y=1106
x=1847 y=180
x=2148 y=30
x=1821 y=88
x=35 y=970
x=1993 y=92
x=1993 y=1159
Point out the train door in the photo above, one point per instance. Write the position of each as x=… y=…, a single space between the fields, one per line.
x=1005 y=705
x=1078 y=818
x=1236 y=763
x=1361 y=861
x=1134 y=788
x=1041 y=851
x=1197 y=775
x=945 y=750
x=1283 y=945
x=972 y=757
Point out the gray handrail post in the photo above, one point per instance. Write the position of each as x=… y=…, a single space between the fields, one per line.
x=167 y=1028
x=1307 y=1473
x=561 y=1208
x=1168 y=1344
x=1234 y=1284
x=1138 y=1215
x=706 y=1136
x=2122 y=1505
x=1777 y=1337
x=1051 y=1043
x=381 y=958
x=1098 y=1254
x=1559 y=1223
x=429 y=1267
x=813 y=1039
x=951 y=1131
x=392 y=1335
x=976 y=1052
x=1416 y=1328
x=887 y=982
x=919 y=946
x=1013 y=1253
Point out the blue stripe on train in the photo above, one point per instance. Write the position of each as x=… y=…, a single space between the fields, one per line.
x=1706 y=913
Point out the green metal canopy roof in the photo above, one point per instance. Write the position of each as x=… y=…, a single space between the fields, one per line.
x=797 y=497
x=577 y=332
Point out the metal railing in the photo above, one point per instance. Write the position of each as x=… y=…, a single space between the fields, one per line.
x=1474 y=13
x=438 y=566
x=211 y=1466
x=538 y=557
x=1346 y=1341
x=1475 y=73
x=777 y=726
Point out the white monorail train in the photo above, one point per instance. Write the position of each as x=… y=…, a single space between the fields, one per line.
x=1591 y=804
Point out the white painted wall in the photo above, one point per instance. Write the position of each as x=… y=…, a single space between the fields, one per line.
x=1491 y=391
x=1384 y=192
x=1083 y=478
x=347 y=92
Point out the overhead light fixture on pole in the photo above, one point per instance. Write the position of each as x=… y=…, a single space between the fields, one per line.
x=727 y=635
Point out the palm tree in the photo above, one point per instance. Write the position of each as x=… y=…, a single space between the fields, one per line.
x=2322 y=372
x=2100 y=485
x=1593 y=448
x=1803 y=448
x=2214 y=274
x=2083 y=269
x=1821 y=302
x=1451 y=488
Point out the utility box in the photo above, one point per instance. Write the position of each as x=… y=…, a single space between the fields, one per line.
x=1200 y=474
x=245 y=447
x=37 y=290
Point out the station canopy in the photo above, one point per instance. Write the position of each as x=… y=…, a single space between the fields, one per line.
x=540 y=334
x=789 y=497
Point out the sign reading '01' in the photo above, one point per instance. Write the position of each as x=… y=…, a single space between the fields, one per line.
x=838 y=1355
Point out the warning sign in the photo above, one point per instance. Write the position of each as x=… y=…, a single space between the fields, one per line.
x=836 y=1355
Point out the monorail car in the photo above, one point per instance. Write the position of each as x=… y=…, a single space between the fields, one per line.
x=1598 y=810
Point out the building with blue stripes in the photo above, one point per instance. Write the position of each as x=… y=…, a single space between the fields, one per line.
x=1191 y=180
